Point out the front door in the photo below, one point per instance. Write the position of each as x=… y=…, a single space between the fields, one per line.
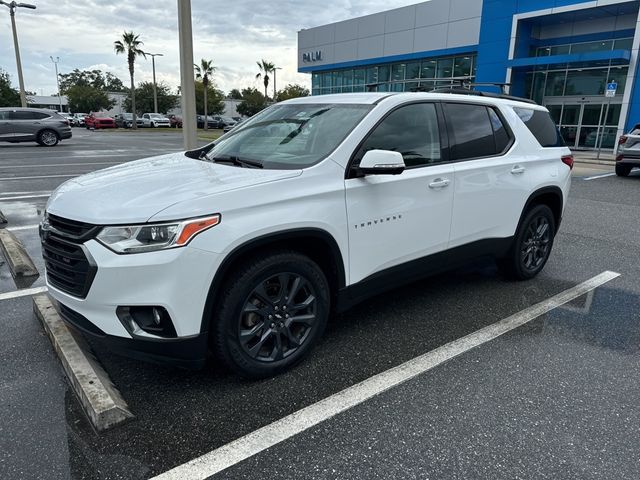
x=5 y=126
x=394 y=219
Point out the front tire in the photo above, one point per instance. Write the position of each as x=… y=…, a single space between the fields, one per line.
x=623 y=170
x=271 y=313
x=532 y=245
x=48 y=138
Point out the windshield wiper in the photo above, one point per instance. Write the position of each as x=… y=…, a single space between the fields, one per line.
x=235 y=160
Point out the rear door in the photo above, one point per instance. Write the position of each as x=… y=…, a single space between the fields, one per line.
x=490 y=186
x=26 y=124
x=394 y=219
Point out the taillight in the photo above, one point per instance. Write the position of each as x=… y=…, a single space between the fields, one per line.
x=623 y=140
x=568 y=160
x=619 y=158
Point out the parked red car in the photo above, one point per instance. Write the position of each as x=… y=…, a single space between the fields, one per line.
x=99 y=120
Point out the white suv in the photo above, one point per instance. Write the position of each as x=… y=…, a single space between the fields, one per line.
x=247 y=245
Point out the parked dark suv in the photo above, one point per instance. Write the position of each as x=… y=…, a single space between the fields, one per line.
x=45 y=127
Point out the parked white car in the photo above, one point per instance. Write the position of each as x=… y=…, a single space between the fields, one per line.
x=77 y=120
x=246 y=245
x=154 y=120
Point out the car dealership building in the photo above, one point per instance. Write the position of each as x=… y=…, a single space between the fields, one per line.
x=563 y=54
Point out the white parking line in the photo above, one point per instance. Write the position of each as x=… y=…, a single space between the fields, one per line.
x=22 y=227
x=40 y=176
x=22 y=293
x=22 y=197
x=595 y=177
x=232 y=453
x=59 y=165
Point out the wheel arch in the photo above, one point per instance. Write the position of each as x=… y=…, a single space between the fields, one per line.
x=550 y=196
x=316 y=243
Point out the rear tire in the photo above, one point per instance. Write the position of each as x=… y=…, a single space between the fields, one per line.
x=623 y=170
x=48 y=138
x=271 y=313
x=531 y=246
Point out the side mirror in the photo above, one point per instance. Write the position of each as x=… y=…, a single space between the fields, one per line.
x=382 y=162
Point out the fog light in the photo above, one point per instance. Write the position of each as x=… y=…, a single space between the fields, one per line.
x=147 y=321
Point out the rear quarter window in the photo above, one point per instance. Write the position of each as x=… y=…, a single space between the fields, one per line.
x=541 y=125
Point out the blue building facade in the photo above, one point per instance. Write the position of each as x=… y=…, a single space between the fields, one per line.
x=560 y=53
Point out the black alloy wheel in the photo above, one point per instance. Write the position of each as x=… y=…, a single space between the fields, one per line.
x=277 y=317
x=536 y=246
x=531 y=246
x=271 y=312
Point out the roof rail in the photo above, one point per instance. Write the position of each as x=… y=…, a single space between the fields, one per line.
x=465 y=91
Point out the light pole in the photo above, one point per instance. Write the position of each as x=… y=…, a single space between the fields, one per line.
x=155 y=92
x=12 y=11
x=275 y=91
x=187 y=82
x=55 y=62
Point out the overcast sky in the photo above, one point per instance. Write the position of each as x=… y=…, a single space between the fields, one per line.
x=235 y=34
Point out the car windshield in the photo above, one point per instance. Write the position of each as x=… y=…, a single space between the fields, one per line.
x=156 y=115
x=289 y=136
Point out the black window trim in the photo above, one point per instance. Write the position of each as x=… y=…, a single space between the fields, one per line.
x=354 y=172
x=507 y=127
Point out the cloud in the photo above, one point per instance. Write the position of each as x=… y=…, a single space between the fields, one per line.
x=234 y=34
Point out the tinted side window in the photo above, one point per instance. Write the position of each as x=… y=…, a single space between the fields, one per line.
x=40 y=116
x=541 y=125
x=500 y=132
x=22 y=115
x=4 y=115
x=411 y=130
x=470 y=131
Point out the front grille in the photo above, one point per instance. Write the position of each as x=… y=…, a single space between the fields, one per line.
x=72 y=229
x=69 y=266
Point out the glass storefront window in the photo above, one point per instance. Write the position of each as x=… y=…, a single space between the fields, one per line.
x=592 y=46
x=555 y=111
x=462 y=66
x=571 y=115
x=613 y=116
x=537 y=90
x=445 y=68
x=555 y=84
x=413 y=70
x=586 y=82
x=372 y=75
x=347 y=78
x=359 y=76
x=619 y=74
x=383 y=73
x=428 y=69
x=623 y=44
x=337 y=79
x=591 y=115
x=397 y=72
x=316 y=79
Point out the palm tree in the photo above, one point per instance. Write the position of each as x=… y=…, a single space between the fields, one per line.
x=265 y=69
x=131 y=45
x=204 y=72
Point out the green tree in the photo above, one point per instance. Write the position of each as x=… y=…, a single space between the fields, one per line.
x=235 y=94
x=215 y=100
x=94 y=78
x=85 y=98
x=131 y=45
x=292 y=91
x=144 y=98
x=9 y=96
x=204 y=72
x=265 y=69
x=252 y=102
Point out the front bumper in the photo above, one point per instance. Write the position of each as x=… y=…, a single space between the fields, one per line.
x=176 y=279
x=189 y=352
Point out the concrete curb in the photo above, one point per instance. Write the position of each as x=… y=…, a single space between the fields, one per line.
x=19 y=261
x=3 y=219
x=100 y=400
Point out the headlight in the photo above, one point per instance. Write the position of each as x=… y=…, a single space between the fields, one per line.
x=152 y=237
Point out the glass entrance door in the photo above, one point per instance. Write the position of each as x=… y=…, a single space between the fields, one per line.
x=578 y=122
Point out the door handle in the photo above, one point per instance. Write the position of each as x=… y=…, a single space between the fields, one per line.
x=440 y=183
x=517 y=170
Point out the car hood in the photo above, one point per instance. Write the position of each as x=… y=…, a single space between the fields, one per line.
x=136 y=191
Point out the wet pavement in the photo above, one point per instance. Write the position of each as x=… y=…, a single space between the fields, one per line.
x=556 y=398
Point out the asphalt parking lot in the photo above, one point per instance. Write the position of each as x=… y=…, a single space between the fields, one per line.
x=554 y=398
